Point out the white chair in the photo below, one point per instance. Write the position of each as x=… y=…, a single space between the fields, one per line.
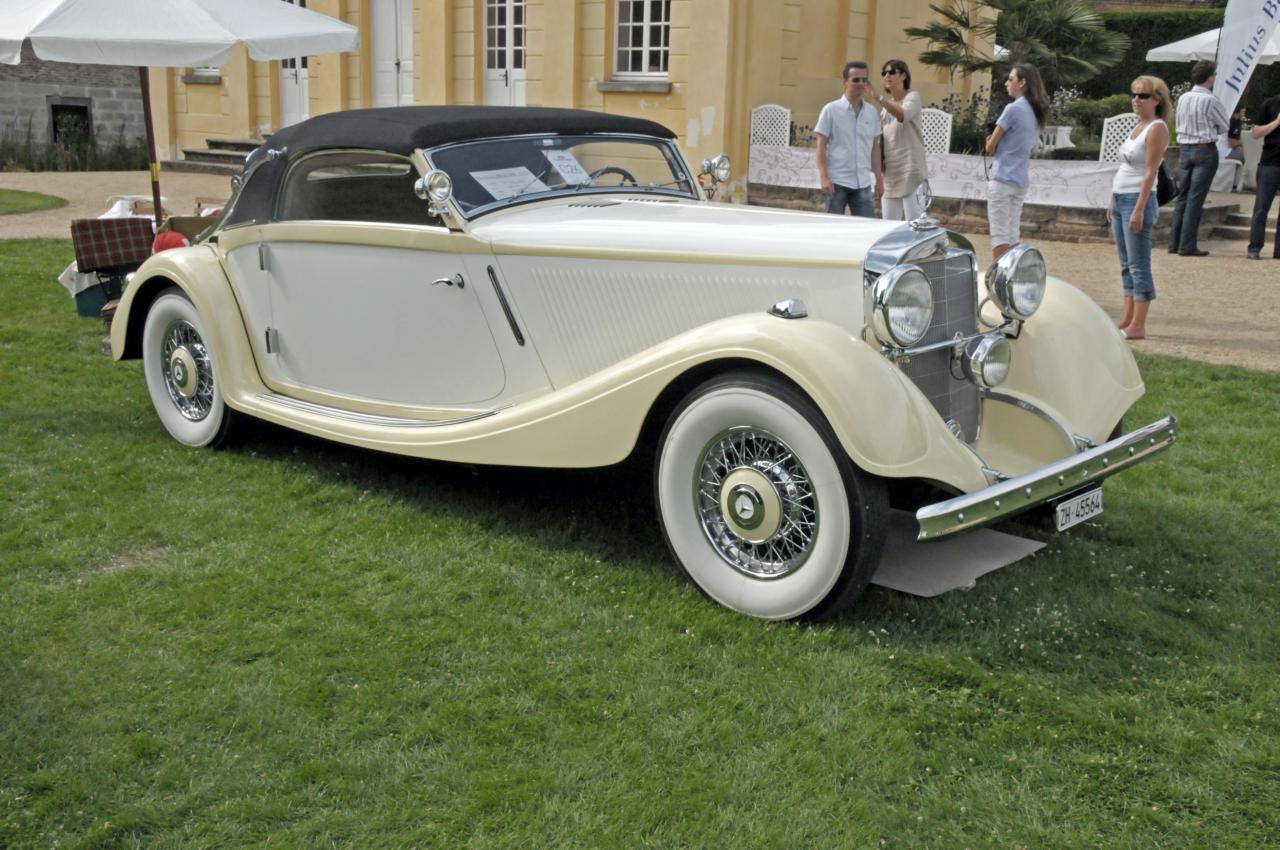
x=1054 y=137
x=936 y=126
x=1229 y=177
x=1114 y=132
x=771 y=125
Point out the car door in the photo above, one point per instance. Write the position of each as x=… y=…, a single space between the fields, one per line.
x=355 y=297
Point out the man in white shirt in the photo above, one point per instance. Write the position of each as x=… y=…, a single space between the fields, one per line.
x=1201 y=119
x=848 y=131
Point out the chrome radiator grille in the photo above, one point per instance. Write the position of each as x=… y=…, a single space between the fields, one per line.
x=955 y=311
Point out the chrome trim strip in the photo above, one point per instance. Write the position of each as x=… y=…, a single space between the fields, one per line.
x=506 y=308
x=367 y=418
x=1023 y=404
x=1014 y=495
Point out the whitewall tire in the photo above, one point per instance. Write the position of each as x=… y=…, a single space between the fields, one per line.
x=181 y=372
x=760 y=505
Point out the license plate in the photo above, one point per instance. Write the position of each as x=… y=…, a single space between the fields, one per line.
x=1079 y=508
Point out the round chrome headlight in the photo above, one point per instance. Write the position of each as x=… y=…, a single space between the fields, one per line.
x=718 y=167
x=986 y=360
x=903 y=306
x=1016 y=282
x=436 y=187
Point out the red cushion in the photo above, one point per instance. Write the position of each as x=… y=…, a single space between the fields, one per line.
x=168 y=239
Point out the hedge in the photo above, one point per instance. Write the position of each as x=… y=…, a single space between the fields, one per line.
x=1148 y=29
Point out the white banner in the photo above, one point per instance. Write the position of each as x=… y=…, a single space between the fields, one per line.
x=1245 y=29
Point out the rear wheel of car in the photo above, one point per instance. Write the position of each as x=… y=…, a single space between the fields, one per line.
x=760 y=505
x=181 y=378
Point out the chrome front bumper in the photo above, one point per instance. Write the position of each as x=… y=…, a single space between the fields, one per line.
x=1014 y=495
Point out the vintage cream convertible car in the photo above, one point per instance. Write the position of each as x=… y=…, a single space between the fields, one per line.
x=550 y=288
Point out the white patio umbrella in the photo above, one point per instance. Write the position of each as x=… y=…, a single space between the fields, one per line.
x=166 y=33
x=1205 y=46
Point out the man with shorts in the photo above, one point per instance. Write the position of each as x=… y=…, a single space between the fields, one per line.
x=848 y=133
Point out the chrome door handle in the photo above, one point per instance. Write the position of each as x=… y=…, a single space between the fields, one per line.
x=456 y=280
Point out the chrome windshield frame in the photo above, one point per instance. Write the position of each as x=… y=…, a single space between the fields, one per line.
x=669 y=147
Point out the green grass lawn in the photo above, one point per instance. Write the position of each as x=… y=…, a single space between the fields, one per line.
x=15 y=201
x=298 y=644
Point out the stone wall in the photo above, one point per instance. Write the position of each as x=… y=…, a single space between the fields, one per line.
x=1039 y=221
x=29 y=90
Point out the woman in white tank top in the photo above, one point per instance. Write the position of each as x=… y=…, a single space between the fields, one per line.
x=1133 y=209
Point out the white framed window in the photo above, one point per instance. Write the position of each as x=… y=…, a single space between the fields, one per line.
x=643 y=38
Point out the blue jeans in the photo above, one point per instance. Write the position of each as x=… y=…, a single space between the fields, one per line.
x=1196 y=166
x=1268 y=185
x=858 y=201
x=1134 y=248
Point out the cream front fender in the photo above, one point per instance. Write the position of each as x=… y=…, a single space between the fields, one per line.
x=198 y=273
x=887 y=427
x=1070 y=361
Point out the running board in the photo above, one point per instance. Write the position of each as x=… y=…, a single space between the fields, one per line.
x=280 y=401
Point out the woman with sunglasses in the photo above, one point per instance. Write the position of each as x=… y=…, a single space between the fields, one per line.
x=904 y=163
x=1133 y=209
x=1016 y=132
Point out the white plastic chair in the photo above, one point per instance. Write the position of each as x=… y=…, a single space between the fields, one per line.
x=936 y=126
x=1114 y=132
x=771 y=125
x=1229 y=177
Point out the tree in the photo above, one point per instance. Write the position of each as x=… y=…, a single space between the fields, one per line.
x=1066 y=40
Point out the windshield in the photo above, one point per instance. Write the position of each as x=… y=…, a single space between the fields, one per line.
x=497 y=172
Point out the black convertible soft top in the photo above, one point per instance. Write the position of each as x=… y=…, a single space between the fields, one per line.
x=402 y=129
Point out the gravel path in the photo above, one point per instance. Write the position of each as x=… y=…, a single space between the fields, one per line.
x=1220 y=309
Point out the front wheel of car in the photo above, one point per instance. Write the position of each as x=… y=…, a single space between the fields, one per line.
x=761 y=506
x=178 y=362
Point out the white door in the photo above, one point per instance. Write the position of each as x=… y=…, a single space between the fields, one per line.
x=393 y=53
x=368 y=322
x=294 y=106
x=504 y=52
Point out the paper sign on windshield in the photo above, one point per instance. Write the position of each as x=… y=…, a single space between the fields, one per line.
x=509 y=182
x=568 y=166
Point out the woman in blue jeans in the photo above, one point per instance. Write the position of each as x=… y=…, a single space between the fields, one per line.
x=1132 y=213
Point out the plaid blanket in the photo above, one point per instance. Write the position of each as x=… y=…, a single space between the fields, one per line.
x=111 y=243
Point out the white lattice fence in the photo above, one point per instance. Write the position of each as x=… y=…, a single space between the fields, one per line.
x=1114 y=131
x=936 y=126
x=771 y=125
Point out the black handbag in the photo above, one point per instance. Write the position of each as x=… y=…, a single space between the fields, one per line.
x=1166 y=189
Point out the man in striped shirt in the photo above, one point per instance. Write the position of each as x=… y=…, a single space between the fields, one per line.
x=1201 y=119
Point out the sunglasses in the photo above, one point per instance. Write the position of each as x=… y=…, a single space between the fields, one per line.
x=857 y=79
x=1143 y=95
x=887 y=72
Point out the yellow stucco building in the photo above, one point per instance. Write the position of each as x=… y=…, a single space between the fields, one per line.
x=697 y=66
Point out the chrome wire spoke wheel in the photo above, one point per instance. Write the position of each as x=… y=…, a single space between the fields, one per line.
x=756 y=502
x=181 y=366
x=188 y=371
x=760 y=505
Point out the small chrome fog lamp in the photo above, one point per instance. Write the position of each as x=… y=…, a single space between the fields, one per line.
x=719 y=169
x=902 y=306
x=1016 y=282
x=436 y=189
x=985 y=360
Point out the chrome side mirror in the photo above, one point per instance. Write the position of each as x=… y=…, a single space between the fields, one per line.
x=436 y=189
x=719 y=169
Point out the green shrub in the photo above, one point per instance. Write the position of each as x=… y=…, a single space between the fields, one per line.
x=969 y=119
x=74 y=150
x=1087 y=115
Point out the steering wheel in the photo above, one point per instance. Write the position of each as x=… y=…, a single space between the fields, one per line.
x=614 y=169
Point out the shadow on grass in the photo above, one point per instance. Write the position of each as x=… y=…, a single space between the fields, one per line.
x=608 y=511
